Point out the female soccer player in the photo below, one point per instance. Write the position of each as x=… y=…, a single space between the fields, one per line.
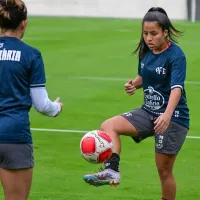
x=22 y=83
x=164 y=114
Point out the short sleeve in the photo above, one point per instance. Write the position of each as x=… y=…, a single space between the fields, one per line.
x=178 y=72
x=37 y=72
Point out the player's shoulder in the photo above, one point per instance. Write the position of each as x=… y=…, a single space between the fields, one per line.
x=30 y=49
x=175 y=51
x=18 y=44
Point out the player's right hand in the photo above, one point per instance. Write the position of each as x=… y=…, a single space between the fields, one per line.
x=130 y=88
x=61 y=105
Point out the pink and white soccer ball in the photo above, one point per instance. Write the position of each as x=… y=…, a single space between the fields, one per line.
x=96 y=146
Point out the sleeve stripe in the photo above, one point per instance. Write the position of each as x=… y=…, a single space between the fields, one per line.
x=37 y=85
x=33 y=85
x=176 y=86
x=41 y=86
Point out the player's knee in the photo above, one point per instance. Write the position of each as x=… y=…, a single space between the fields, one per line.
x=164 y=171
x=108 y=126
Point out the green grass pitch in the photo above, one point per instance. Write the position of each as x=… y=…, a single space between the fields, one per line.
x=87 y=62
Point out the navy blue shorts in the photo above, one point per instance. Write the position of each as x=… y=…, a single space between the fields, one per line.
x=16 y=156
x=169 y=142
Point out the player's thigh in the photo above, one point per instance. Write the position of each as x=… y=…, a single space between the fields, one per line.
x=16 y=183
x=16 y=163
x=119 y=125
x=171 y=141
x=167 y=147
x=134 y=123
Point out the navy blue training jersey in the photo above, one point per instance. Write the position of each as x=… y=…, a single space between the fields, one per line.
x=160 y=74
x=21 y=67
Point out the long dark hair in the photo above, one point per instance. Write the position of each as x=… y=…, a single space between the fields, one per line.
x=12 y=13
x=159 y=15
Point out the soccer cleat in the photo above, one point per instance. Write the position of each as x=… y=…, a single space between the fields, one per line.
x=104 y=177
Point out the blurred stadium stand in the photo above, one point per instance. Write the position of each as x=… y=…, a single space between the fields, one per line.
x=176 y=9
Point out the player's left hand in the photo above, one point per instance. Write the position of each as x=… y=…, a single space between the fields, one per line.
x=162 y=122
x=60 y=104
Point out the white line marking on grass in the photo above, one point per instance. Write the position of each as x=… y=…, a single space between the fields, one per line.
x=120 y=79
x=194 y=137
x=81 y=131
x=58 y=130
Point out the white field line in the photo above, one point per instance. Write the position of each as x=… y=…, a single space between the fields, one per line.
x=58 y=130
x=81 y=131
x=120 y=79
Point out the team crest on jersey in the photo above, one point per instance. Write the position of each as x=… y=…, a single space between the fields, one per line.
x=160 y=70
x=142 y=65
x=153 y=99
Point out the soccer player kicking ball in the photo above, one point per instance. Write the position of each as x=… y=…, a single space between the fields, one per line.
x=164 y=114
x=22 y=83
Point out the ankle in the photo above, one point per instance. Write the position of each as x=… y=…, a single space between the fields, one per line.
x=113 y=162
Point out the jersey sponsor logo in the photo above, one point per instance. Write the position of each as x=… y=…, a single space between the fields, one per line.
x=11 y=55
x=142 y=65
x=153 y=99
